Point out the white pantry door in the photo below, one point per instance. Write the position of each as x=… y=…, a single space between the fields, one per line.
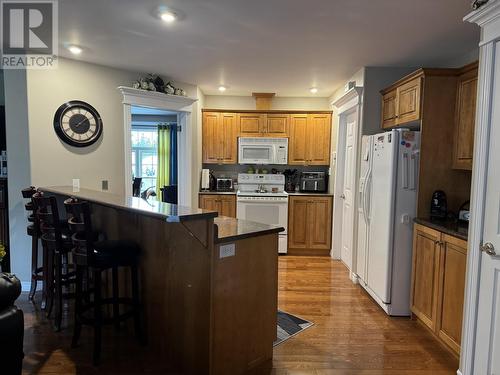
x=487 y=351
x=348 y=194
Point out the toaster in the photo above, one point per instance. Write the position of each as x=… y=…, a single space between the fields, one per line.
x=314 y=182
x=224 y=184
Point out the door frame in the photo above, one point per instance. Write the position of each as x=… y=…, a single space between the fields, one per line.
x=349 y=103
x=488 y=18
x=180 y=104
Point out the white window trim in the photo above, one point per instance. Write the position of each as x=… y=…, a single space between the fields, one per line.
x=181 y=104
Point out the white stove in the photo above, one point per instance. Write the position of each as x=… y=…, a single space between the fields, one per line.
x=262 y=198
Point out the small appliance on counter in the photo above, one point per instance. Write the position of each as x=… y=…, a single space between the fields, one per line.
x=439 y=205
x=313 y=182
x=290 y=180
x=224 y=184
x=208 y=182
x=464 y=212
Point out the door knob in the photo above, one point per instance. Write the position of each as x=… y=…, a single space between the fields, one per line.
x=488 y=248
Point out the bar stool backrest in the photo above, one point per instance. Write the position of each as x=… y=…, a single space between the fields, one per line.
x=47 y=218
x=80 y=226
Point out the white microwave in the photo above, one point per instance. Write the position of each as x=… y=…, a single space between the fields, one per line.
x=262 y=150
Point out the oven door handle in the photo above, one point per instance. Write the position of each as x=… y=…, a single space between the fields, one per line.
x=244 y=200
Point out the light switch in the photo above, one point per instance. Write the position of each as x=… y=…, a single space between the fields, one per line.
x=405 y=219
x=76 y=185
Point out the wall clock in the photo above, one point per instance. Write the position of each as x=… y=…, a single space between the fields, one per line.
x=77 y=123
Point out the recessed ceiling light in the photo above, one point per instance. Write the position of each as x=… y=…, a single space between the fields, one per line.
x=313 y=90
x=168 y=16
x=222 y=88
x=75 y=50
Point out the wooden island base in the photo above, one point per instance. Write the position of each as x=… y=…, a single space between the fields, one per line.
x=209 y=289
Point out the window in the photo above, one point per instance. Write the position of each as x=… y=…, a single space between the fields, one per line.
x=145 y=154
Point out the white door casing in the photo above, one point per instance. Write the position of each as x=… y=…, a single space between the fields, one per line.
x=345 y=216
x=180 y=104
x=480 y=348
x=348 y=194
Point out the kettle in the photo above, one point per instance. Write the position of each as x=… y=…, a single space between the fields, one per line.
x=439 y=205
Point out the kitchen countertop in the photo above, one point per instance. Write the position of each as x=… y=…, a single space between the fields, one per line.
x=171 y=213
x=231 y=229
x=451 y=227
x=218 y=192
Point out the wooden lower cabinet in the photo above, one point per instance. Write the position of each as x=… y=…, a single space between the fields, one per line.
x=309 y=225
x=224 y=204
x=438 y=283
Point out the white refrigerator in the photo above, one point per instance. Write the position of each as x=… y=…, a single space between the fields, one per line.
x=387 y=205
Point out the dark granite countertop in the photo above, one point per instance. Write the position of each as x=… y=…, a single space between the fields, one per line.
x=231 y=229
x=171 y=213
x=451 y=227
x=218 y=192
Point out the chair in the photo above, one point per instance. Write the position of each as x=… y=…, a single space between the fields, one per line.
x=136 y=186
x=34 y=232
x=92 y=257
x=57 y=245
x=169 y=194
x=11 y=326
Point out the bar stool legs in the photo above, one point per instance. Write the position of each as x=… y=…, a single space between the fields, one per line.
x=34 y=266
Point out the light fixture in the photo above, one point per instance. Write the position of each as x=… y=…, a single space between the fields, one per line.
x=222 y=88
x=313 y=90
x=75 y=50
x=168 y=16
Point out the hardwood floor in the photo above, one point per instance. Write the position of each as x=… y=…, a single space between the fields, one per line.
x=351 y=335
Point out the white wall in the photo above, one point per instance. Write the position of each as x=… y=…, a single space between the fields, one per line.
x=17 y=131
x=36 y=155
x=279 y=102
x=52 y=161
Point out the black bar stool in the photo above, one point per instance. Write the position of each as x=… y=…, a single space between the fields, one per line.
x=34 y=232
x=57 y=245
x=93 y=256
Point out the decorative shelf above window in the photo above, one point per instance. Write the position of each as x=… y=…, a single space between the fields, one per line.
x=156 y=99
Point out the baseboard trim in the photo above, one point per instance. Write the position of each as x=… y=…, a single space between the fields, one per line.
x=459 y=372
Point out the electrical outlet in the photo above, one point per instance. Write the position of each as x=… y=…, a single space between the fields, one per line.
x=76 y=185
x=104 y=184
x=228 y=250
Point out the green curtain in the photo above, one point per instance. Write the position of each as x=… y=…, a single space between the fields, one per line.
x=164 y=148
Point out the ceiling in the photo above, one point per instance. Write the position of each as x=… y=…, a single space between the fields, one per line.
x=282 y=46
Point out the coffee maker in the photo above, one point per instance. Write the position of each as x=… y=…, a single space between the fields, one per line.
x=439 y=205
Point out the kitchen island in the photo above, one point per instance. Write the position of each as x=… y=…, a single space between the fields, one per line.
x=208 y=284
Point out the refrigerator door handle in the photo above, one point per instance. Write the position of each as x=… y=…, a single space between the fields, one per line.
x=405 y=171
x=366 y=198
x=413 y=171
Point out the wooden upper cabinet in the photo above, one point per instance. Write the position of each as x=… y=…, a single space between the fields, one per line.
x=310 y=224
x=264 y=125
x=220 y=134
x=277 y=125
x=310 y=138
x=465 y=117
x=425 y=274
x=319 y=133
x=408 y=101
x=211 y=137
x=402 y=102
x=451 y=292
x=389 y=109
x=298 y=143
x=251 y=124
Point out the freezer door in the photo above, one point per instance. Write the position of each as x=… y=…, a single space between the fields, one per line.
x=384 y=171
x=363 y=207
